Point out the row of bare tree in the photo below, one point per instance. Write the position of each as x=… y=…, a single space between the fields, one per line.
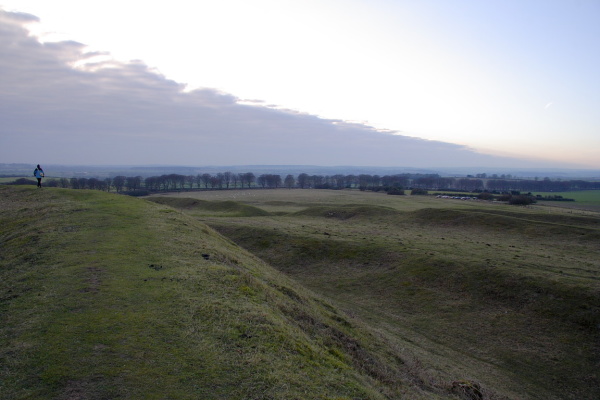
x=230 y=180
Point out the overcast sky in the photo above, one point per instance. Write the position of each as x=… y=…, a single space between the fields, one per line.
x=325 y=82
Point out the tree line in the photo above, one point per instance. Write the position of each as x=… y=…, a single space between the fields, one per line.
x=248 y=180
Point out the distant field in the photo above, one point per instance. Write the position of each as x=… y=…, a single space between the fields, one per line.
x=585 y=200
x=587 y=197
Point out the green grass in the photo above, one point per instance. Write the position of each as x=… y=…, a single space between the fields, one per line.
x=505 y=296
x=109 y=297
x=301 y=295
x=586 y=197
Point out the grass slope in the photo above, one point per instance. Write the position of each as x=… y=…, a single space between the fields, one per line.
x=508 y=297
x=110 y=297
x=226 y=208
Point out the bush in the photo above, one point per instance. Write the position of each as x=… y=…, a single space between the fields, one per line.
x=23 y=181
x=485 y=196
x=553 y=198
x=419 y=192
x=521 y=200
x=395 y=191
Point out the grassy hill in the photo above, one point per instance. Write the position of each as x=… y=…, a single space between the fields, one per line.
x=507 y=297
x=110 y=297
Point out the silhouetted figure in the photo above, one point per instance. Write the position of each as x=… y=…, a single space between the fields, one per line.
x=39 y=174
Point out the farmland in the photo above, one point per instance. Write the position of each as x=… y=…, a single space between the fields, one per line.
x=584 y=200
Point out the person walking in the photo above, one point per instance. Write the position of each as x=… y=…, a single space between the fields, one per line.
x=39 y=174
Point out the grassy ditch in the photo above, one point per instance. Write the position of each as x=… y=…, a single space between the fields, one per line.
x=109 y=297
x=507 y=297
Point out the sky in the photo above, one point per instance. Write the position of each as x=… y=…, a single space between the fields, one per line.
x=327 y=82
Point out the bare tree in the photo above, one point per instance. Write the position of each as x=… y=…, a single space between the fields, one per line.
x=262 y=180
x=274 y=180
x=93 y=183
x=82 y=183
x=303 y=180
x=206 y=179
x=338 y=181
x=227 y=178
x=215 y=181
x=364 y=180
x=119 y=183
x=102 y=185
x=235 y=179
x=133 y=182
x=249 y=178
x=190 y=179
x=289 y=181
x=220 y=179
x=317 y=180
x=152 y=183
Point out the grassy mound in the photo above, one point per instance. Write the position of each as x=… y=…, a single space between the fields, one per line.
x=228 y=208
x=108 y=297
x=528 y=223
x=347 y=211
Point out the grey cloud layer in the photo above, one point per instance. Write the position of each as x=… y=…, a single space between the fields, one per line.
x=125 y=113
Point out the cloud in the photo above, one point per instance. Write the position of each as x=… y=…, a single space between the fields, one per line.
x=18 y=17
x=60 y=103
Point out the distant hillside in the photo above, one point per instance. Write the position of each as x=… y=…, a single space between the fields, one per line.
x=109 y=297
